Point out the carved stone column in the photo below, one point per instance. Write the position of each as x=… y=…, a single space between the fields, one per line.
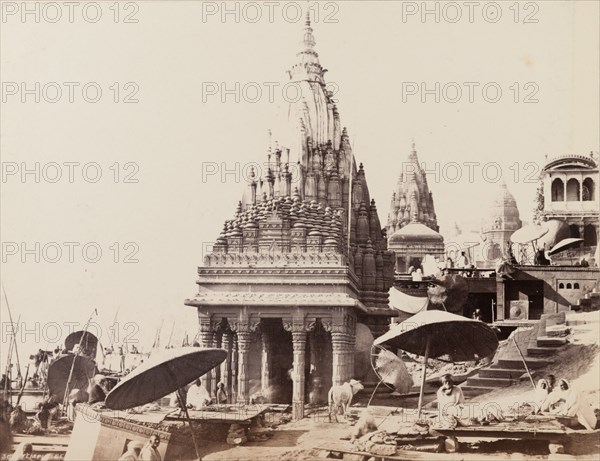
x=226 y=343
x=234 y=368
x=265 y=368
x=205 y=338
x=298 y=331
x=343 y=328
x=338 y=371
x=299 y=345
x=244 y=329
x=243 y=352
x=351 y=344
x=500 y=298
x=216 y=372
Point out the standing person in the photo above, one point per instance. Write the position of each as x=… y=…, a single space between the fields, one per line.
x=4 y=381
x=150 y=450
x=221 y=394
x=5 y=435
x=122 y=358
x=463 y=261
x=477 y=314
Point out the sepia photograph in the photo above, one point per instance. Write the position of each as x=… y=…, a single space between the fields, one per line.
x=363 y=230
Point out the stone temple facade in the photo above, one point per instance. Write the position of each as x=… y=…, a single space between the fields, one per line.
x=301 y=264
x=571 y=194
x=412 y=223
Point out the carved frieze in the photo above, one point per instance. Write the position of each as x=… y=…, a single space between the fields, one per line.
x=274 y=298
x=271 y=258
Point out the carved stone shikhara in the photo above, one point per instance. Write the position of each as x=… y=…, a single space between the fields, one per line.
x=303 y=259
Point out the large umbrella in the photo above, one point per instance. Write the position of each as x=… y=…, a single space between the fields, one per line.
x=164 y=372
x=83 y=367
x=564 y=245
x=525 y=236
x=437 y=333
x=528 y=234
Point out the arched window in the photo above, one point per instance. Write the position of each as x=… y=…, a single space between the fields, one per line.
x=588 y=191
x=572 y=190
x=574 y=231
x=561 y=285
x=590 y=238
x=568 y=286
x=558 y=190
x=576 y=286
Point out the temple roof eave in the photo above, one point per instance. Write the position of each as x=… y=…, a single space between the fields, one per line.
x=275 y=300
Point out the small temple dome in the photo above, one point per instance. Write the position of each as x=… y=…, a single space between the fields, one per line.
x=504 y=213
x=415 y=232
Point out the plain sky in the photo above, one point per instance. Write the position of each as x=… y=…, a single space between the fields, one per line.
x=184 y=133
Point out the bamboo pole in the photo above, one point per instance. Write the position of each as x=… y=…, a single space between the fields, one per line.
x=189 y=421
x=524 y=362
x=424 y=375
x=23 y=386
x=66 y=396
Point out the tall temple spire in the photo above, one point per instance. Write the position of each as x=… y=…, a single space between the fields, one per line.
x=307 y=65
x=308 y=41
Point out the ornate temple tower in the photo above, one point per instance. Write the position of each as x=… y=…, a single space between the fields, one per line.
x=413 y=179
x=412 y=223
x=502 y=221
x=302 y=261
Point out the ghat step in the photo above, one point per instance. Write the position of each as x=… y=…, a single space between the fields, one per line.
x=491 y=382
x=549 y=341
x=557 y=330
x=537 y=351
x=504 y=373
x=473 y=391
x=518 y=363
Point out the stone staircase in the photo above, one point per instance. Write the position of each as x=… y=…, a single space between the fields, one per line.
x=538 y=347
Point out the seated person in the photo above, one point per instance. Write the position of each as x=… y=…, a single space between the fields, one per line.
x=18 y=420
x=449 y=397
x=197 y=396
x=541 y=394
x=567 y=401
x=24 y=452
x=417 y=275
x=97 y=392
x=47 y=410
x=134 y=449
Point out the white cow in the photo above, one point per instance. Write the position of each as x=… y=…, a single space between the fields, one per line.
x=341 y=396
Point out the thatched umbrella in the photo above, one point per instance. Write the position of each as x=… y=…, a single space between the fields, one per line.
x=437 y=333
